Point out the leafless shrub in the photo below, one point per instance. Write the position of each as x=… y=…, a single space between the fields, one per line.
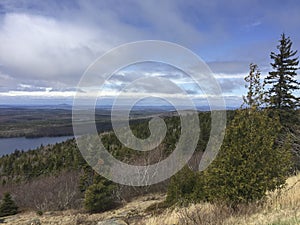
x=126 y=193
x=48 y=193
x=195 y=161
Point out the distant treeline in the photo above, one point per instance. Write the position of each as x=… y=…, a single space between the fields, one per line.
x=32 y=123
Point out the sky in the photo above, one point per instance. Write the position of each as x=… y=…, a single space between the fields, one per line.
x=46 y=46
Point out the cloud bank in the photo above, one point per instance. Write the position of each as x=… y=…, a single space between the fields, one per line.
x=45 y=46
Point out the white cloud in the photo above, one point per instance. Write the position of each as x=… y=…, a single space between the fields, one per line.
x=46 y=45
x=43 y=94
x=37 y=47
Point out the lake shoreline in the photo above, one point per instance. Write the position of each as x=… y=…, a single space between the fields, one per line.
x=10 y=145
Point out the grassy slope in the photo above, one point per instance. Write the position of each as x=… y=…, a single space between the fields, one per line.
x=281 y=209
x=278 y=209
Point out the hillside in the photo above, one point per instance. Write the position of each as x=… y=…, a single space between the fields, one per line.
x=280 y=208
x=52 y=181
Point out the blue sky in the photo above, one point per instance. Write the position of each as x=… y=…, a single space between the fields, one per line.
x=45 y=46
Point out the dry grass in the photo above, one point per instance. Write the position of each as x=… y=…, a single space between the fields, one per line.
x=280 y=208
x=132 y=212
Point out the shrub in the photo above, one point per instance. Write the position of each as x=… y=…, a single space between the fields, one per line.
x=250 y=163
x=100 y=196
x=8 y=206
x=39 y=213
x=49 y=193
x=182 y=187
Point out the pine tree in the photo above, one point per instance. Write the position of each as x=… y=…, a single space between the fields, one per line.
x=8 y=206
x=282 y=79
x=255 y=89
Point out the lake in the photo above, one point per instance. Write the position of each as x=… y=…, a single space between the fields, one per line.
x=9 y=145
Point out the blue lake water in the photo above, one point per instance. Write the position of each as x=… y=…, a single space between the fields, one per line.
x=9 y=145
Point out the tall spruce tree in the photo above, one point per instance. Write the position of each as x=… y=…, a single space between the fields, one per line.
x=282 y=80
x=255 y=88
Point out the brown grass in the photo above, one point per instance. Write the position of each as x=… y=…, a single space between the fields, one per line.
x=279 y=208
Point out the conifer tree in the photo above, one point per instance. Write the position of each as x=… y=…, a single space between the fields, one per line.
x=249 y=163
x=100 y=196
x=8 y=206
x=282 y=80
x=255 y=88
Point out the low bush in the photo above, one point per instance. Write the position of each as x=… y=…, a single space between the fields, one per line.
x=100 y=196
x=8 y=206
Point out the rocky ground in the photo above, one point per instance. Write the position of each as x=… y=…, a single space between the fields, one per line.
x=131 y=213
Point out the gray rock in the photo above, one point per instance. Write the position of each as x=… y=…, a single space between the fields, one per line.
x=35 y=221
